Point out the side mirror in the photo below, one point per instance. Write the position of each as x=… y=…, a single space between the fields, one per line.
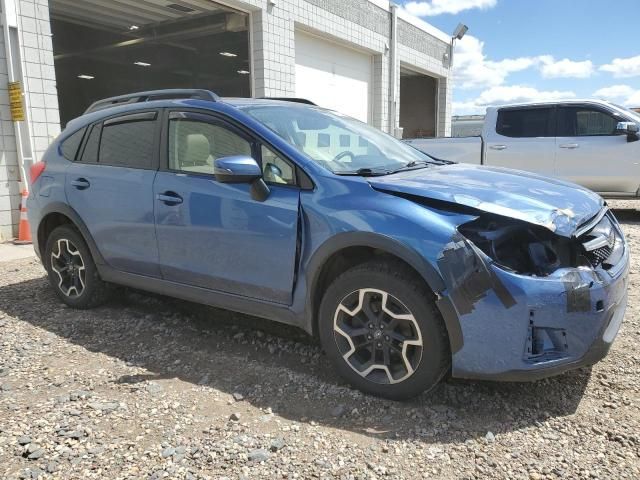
x=242 y=169
x=236 y=169
x=630 y=129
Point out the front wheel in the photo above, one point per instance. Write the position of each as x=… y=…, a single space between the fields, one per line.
x=381 y=330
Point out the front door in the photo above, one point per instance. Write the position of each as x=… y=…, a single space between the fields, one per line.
x=110 y=185
x=591 y=153
x=214 y=235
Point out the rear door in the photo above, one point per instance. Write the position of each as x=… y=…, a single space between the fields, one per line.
x=591 y=153
x=110 y=185
x=215 y=235
x=524 y=139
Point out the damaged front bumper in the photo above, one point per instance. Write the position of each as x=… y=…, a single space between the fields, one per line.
x=519 y=327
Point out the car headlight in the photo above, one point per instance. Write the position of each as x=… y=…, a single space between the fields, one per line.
x=522 y=247
x=604 y=243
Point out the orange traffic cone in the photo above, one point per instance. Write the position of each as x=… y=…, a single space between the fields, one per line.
x=24 y=232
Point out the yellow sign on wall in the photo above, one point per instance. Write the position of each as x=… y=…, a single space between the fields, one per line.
x=16 y=102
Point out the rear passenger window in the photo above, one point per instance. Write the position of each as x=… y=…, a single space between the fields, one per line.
x=71 y=144
x=128 y=144
x=525 y=123
x=90 y=154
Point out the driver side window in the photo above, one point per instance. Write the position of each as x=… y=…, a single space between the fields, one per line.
x=585 y=122
x=195 y=145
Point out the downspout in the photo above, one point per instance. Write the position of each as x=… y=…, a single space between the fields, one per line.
x=393 y=43
x=11 y=34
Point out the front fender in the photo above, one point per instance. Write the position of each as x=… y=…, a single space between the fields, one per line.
x=394 y=247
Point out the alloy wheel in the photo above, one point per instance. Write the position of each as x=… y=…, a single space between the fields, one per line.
x=377 y=336
x=67 y=263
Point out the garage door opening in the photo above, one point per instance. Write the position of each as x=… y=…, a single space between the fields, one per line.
x=104 y=48
x=418 y=104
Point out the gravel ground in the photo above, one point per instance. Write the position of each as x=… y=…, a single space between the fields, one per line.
x=149 y=387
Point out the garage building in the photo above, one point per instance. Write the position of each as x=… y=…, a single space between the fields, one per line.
x=365 y=58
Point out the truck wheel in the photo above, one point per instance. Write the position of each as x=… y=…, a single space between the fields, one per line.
x=381 y=330
x=72 y=271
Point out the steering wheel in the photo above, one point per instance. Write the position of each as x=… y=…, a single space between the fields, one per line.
x=341 y=155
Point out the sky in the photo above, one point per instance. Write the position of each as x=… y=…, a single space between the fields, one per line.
x=524 y=50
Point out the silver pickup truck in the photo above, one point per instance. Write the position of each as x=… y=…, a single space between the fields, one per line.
x=589 y=142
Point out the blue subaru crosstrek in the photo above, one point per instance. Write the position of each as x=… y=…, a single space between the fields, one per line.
x=406 y=267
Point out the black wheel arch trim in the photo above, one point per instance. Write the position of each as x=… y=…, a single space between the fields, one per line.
x=67 y=211
x=392 y=246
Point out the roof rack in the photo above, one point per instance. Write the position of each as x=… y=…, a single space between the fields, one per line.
x=290 y=99
x=140 y=97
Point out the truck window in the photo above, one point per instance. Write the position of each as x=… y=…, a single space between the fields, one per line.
x=585 y=122
x=525 y=122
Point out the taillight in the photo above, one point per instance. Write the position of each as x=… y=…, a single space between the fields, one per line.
x=36 y=171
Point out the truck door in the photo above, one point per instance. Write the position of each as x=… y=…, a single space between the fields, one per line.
x=523 y=138
x=591 y=153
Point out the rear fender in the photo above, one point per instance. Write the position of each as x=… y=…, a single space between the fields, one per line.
x=67 y=211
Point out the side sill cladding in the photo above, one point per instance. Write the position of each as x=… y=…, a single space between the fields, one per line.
x=387 y=244
x=67 y=211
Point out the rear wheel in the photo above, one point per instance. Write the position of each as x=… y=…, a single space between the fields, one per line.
x=72 y=271
x=380 y=328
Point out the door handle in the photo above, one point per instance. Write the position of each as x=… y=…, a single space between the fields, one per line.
x=569 y=145
x=170 y=198
x=497 y=147
x=81 y=183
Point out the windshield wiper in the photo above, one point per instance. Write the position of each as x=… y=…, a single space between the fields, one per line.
x=366 y=172
x=412 y=165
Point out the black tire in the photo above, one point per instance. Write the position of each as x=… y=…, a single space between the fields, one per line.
x=84 y=290
x=429 y=363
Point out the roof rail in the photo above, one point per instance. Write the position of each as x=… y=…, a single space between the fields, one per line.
x=140 y=97
x=290 y=99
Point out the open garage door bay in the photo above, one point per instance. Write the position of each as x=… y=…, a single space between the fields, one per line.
x=333 y=76
x=104 y=48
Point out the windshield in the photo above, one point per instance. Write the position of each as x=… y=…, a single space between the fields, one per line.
x=336 y=142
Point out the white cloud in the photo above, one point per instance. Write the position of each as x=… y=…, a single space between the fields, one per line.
x=565 y=68
x=623 y=67
x=501 y=95
x=614 y=92
x=517 y=93
x=472 y=69
x=438 y=7
x=623 y=94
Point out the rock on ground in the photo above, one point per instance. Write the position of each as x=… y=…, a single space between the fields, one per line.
x=147 y=387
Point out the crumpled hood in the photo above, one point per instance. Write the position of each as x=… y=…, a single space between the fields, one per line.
x=559 y=206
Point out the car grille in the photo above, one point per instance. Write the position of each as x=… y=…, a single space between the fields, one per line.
x=603 y=243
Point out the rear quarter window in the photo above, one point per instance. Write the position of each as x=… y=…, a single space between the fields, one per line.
x=90 y=153
x=71 y=145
